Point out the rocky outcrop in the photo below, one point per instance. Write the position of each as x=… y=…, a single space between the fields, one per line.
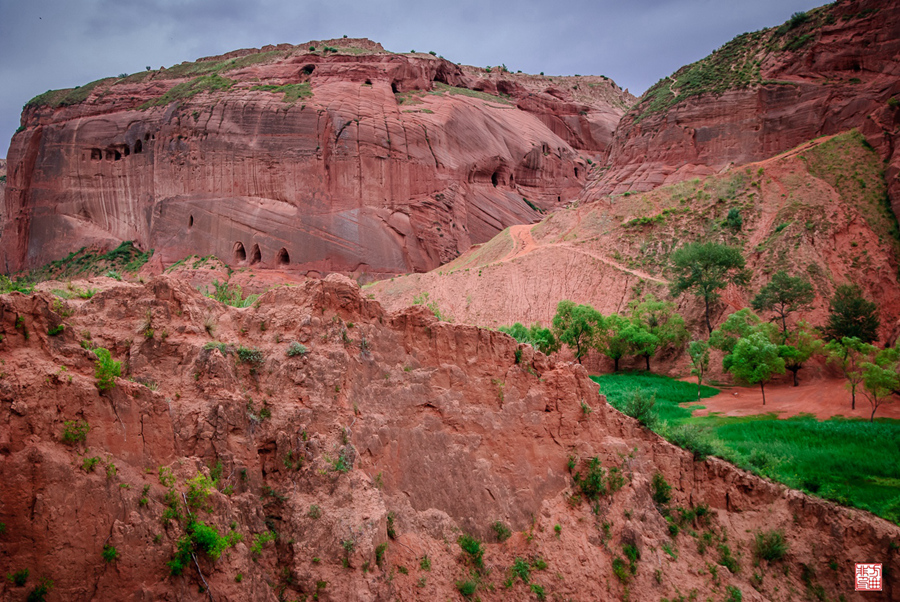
x=825 y=71
x=351 y=159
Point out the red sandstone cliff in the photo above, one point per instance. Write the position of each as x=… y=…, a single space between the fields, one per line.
x=350 y=159
x=391 y=429
x=764 y=93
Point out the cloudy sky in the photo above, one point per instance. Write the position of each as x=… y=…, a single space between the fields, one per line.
x=50 y=44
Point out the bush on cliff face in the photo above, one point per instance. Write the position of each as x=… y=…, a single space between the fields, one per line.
x=107 y=369
x=75 y=431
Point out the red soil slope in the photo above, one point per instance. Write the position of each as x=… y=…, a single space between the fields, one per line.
x=389 y=421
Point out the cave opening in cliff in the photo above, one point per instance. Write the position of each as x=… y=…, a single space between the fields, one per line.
x=138 y=147
x=126 y=150
x=190 y=222
x=309 y=69
x=282 y=258
x=495 y=178
x=394 y=87
x=255 y=255
x=368 y=82
x=240 y=255
x=576 y=172
x=96 y=154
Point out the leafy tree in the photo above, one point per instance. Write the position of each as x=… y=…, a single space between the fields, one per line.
x=660 y=319
x=616 y=338
x=849 y=354
x=698 y=351
x=576 y=326
x=639 y=341
x=784 y=295
x=799 y=345
x=736 y=326
x=852 y=315
x=880 y=381
x=755 y=360
x=538 y=337
x=704 y=268
x=543 y=339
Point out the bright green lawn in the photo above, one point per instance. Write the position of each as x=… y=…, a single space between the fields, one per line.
x=851 y=461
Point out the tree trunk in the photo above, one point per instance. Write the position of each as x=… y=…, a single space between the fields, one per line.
x=708 y=324
x=852 y=397
x=783 y=329
x=795 y=371
x=762 y=387
x=647 y=357
x=615 y=364
x=872 y=418
x=699 y=386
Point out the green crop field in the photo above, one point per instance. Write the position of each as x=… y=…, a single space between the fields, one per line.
x=850 y=461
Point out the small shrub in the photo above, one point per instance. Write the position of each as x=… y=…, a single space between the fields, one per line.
x=692 y=438
x=106 y=369
x=296 y=348
x=110 y=553
x=198 y=492
x=503 y=532
x=662 y=491
x=425 y=563
x=75 y=431
x=39 y=593
x=734 y=219
x=314 y=511
x=471 y=546
x=727 y=560
x=379 y=553
x=259 y=541
x=56 y=330
x=250 y=356
x=640 y=407
x=19 y=578
x=89 y=464
x=620 y=570
x=734 y=594
x=391 y=529
x=538 y=590
x=592 y=483
x=466 y=588
x=770 y=545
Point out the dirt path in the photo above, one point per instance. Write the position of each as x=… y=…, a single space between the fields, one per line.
x=824 y=399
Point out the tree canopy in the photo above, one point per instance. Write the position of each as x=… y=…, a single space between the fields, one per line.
x=852 y=315
x=754 y=360
x=577 y=326
x=704 y=268
x=784 y=294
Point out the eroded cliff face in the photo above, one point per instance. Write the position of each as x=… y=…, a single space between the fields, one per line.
x=387 y=429
x=351 y=159
x=764 y=93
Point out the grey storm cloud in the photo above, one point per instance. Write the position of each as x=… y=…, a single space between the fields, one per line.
x=50 y=44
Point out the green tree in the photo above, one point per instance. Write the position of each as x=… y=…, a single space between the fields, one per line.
x=852 y=315
x=739 y=325
x=538 y=337
x=784 y=294
x=755 y=360
x=799 y=345
x=660 y=320
x=698 y=351
x=849 y=354
x=616 y=337
x=576 y=326
x=705 y=268
x=880 y=381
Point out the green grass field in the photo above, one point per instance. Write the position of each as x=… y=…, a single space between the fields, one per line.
x=849 y=461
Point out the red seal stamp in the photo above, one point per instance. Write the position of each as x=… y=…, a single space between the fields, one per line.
x=868 y=577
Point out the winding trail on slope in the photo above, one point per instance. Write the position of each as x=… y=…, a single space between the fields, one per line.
x=523 y=244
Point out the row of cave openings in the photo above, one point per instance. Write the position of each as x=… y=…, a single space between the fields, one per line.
x=239 y=255
x=117 y=151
